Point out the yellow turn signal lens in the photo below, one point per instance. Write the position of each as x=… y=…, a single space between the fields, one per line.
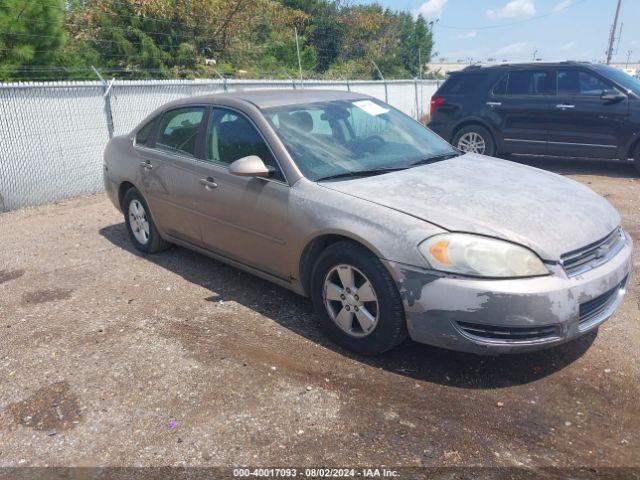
x=439 y=251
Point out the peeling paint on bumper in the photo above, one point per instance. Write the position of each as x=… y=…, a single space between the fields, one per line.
x=436 y=303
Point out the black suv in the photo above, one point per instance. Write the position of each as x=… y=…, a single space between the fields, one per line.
x=567 y=109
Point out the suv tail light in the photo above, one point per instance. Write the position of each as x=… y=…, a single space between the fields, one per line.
x=435 y=102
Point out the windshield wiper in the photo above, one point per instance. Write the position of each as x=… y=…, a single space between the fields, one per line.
x=361 y=173
x=435 y=158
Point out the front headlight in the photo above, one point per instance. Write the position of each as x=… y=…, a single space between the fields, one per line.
x=479 y=256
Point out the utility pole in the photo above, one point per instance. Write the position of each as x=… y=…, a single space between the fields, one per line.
x=298 y=50
x=535 y=52
x=612 y=35
x=629 y=52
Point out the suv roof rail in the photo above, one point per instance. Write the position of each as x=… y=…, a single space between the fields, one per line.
x=526 y=64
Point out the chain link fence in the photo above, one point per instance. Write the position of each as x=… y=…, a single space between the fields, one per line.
x=53 y=134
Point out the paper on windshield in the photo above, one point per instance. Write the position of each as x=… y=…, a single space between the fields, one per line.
x=370 y=107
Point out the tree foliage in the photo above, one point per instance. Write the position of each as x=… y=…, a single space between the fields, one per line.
x=189 y=38
x=31 y=33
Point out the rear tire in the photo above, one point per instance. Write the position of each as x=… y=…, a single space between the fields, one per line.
x=142 y=230
x=475 y=139
x=636 y=158
x=364 y=315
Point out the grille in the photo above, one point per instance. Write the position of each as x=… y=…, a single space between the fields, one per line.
x=591 y=256
x=591 y=311
x=492 y=332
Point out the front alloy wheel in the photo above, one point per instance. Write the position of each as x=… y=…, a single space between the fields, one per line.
x=351 y=300
x=356 y=299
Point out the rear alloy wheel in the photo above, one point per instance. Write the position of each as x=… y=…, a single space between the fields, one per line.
x=475 y=139
x=356 y=300
x=142 y=231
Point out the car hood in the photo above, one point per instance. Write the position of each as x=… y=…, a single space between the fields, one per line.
x=472 y=193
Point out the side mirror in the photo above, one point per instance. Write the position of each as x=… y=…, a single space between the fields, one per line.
x=251 y=166
x=611 y=96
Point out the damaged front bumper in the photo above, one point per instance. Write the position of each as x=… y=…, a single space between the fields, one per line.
x=514 y=315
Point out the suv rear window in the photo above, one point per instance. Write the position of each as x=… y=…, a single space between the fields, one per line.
x=461 y=83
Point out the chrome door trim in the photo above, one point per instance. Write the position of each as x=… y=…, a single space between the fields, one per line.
x=560 y=143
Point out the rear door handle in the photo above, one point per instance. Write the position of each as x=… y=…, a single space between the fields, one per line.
x=494 y=104
x=146 y=165
x=564 y=105
x=208 y=183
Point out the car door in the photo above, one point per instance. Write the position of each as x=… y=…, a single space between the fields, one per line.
x=169 y=173
x=518 y=107
x=583 y=124
x=242 y=218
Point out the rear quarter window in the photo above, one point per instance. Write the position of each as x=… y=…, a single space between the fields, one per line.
x=144 y=134
x=462 y=83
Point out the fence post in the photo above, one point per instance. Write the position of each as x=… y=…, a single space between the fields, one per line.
x=418 y=113
x=107 y=100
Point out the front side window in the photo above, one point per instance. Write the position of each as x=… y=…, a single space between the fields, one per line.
x=341 y=136
x=231 y=136
x=178 y=130
x=530 y=82
x=577 y=82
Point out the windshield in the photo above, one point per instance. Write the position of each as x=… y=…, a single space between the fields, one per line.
x=327 y=139
x=622 y=78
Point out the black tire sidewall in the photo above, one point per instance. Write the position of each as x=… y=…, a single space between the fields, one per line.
x=391 y=327
x=490 y=146
x=131 y=195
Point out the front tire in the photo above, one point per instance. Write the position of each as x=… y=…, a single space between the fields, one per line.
x=142 y=231
x=636 y=158
x=356 y=300
x=475 y=139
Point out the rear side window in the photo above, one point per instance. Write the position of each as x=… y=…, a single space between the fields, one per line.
x=530 y=82
x=461 y=84
x=179 y=130
x=144 y=134
x=500 y=88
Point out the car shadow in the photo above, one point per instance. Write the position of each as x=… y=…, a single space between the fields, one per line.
x=578 y=166
x=411 y=359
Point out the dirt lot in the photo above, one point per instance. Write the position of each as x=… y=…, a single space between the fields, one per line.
x=111 y=358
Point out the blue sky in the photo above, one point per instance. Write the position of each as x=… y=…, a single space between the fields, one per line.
x=513 y=29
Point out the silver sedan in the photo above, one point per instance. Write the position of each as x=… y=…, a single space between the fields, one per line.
x=389 y=230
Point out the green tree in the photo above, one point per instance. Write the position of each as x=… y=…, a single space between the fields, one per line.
x=31 y=34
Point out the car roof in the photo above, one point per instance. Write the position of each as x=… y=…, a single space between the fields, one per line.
x=272 y=98
x=503 y=66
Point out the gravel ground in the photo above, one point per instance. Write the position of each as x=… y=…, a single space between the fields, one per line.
x=114 y=359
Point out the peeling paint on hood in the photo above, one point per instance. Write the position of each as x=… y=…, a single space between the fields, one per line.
x=472 y=193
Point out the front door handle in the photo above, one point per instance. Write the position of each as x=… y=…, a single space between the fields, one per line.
x=208 y=183
x=146 y=165
x=494 y=104
x=564 y=105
